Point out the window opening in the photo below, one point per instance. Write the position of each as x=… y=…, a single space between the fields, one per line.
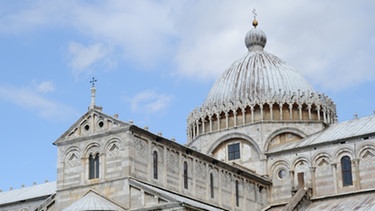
x=346 y=169
x=155 y=164
x=301 y=179
x=234 y=151
x=185 y=175
x=212 y=185
x=94 y=166
x=237 y=195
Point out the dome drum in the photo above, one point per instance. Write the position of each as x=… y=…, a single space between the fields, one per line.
x=279 y=108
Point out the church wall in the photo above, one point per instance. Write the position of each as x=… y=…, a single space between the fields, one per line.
x=73 y=176
x=322 y=169
x=260 y=133
x=125 y=153
x=198 y=176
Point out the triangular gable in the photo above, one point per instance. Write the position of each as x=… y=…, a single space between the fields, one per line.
x=91 y=123
x=93 y=201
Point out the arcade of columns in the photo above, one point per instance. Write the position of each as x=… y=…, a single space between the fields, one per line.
x=285 y=108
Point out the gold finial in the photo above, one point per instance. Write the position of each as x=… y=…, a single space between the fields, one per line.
x=255 y=22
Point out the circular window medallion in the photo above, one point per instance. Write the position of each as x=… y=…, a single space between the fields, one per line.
x=101 y=124
x=281 y=174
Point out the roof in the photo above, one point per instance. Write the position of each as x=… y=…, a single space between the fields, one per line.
x=339 y=131
x=93 y=201
x=258 y=74
x=350 y=202
x=173 y=197
x=28 y=193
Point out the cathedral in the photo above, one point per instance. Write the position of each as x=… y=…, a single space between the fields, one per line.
x=263 y=139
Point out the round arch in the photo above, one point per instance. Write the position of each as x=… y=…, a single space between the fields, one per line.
x=280 y=131
x=345 y=151
x=230 y=136
x=92 y=147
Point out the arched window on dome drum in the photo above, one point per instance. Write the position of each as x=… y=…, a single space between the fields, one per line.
x=94 y=166
x=185 y=175
x=346 y=170
x=212 y=185
x=155 y=164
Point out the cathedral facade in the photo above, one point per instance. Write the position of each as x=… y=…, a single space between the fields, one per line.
x=263 y=139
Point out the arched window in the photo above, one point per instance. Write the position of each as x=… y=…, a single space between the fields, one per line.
x=155 y=164
x=94 y=166
x=212 y=185
x=346 y=170
x=185 y=175
x=237 y=195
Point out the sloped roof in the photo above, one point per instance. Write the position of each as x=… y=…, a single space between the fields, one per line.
x=93 y=201
x=28 y=193
x=339 y=131
x=173 y=197
x=350 y=202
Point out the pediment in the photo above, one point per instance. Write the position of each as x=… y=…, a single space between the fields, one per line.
x=91 y=123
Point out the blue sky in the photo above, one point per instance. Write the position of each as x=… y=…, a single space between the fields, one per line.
x=155 y=61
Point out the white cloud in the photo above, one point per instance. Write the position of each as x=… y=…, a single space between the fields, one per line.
x=29 y=99
x=150 y=101
x=323 y=39
x=82 y=58
x=44 y=87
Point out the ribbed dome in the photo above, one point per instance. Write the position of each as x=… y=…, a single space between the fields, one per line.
x=258 y=75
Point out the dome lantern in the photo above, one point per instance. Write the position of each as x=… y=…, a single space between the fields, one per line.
x=255 y=39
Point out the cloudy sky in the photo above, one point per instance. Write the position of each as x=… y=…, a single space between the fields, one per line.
x=155 y=61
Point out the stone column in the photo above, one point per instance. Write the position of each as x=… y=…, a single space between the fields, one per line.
x=271 y=111
x=300 y=111
x=226 y=119
x=281 y=111
x=291 y=177
x=357 y=181
x=218 y=121
x=203 y=126
x=318 y=112
x=210 y=119
x=197 y=125
x=334 y=173
x=313 y=182
x=309 y=109
x=261 y=111
x=290 y=111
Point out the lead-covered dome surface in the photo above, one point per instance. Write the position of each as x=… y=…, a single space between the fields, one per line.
x=257 y=75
